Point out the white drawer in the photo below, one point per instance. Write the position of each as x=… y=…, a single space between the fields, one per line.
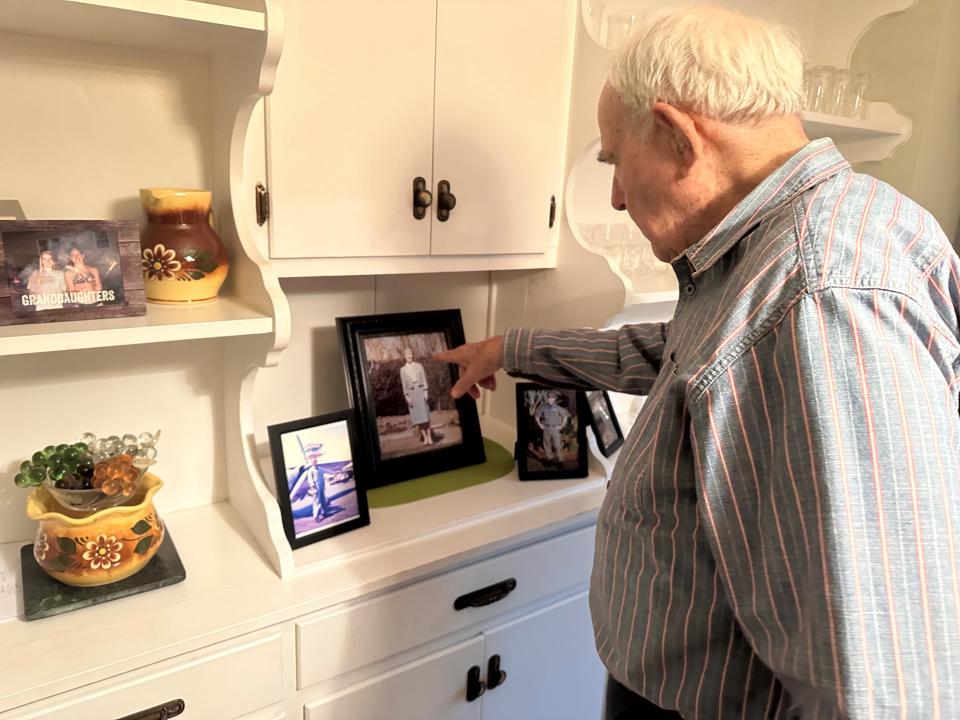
x=342 y=639
x=220 y=682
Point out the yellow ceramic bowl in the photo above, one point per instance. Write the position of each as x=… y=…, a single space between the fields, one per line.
x=104 y=547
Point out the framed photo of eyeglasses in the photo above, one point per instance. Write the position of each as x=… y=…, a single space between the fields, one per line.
x=69 y=270
x=411 y=424
x=320 y=472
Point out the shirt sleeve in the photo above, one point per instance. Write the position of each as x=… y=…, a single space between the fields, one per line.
x=827 y=458
x=625 y=360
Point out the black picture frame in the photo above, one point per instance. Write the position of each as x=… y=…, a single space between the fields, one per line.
x=408 y=435
x=535 y=450
x=603 y=421
x=347 y=464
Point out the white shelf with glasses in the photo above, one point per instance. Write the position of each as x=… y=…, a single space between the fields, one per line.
x=173 y=25
x=873 y=138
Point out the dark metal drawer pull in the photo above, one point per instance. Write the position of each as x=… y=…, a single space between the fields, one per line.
x=475 y=686
x=495 y=675
x=485 y=596
x=160 y=712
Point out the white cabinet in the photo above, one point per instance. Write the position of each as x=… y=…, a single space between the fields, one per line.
x=500 y=121
x=551 y=665
x=431 y=687
x=351 y=126
x=234 y=679
x=432 y=649
x=471 y=92
x=548 y=671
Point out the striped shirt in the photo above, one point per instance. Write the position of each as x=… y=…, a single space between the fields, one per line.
x=780 y=534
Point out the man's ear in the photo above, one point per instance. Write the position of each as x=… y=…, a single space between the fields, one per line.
x=684 y=136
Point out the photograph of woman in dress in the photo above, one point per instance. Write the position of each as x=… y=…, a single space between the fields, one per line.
x=47 y=280
x=411 y=394
x=416 y=393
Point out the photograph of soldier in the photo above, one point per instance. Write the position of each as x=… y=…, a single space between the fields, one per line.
x=320 y=481
x=552 y=438
x=411 y=393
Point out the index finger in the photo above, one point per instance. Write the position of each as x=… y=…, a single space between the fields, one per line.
x=449 y=355
x=468 y=378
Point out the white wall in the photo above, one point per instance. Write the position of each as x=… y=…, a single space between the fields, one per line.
x=55 y=397
x=582 y=291
x=915 y=56
x=310 y=379
x=85 y=158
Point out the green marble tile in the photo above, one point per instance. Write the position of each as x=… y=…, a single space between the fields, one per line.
x=43 y=596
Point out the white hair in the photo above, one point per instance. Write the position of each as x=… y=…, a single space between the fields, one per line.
x=711 y=61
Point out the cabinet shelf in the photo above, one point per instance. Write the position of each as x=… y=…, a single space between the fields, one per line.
x=875 y=138
x=847 y=128
x=171 y=25
x=225 y=318
x=412 y=264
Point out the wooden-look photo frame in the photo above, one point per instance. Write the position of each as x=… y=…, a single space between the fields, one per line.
x=551 y=433
x=411 y=425
x=320 y=469
x=70 y=270
x=603 y=421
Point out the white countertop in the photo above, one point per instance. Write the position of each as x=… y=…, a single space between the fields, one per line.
x=230 y=589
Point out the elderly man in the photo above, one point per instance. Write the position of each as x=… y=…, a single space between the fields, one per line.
x=780 y=534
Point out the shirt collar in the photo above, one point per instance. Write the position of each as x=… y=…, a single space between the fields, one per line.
x=811 y=165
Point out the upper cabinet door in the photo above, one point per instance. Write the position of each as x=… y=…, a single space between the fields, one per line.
x=502 y=92
x=350 y=126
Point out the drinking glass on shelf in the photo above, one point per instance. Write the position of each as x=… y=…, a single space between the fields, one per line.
x=855 y=101
x=818 y=85
x=837 y=91
x=617 y=23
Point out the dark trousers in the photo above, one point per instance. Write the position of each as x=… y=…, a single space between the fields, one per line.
x=624 y=704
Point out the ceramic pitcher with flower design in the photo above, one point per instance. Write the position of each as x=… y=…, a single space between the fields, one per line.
x=183 y=258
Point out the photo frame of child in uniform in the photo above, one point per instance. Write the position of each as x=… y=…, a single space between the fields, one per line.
x=411 y=425
x=69 y=270
x=551 y=434
x=320 y=472
x=603 y=422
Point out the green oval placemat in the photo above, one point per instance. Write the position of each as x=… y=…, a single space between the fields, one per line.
x=499 y=463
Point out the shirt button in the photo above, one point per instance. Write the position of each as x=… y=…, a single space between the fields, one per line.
x=689 y=289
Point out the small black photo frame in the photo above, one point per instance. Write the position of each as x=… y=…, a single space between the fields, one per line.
x=410 y=425
x=320 y=476
x=603 y=422
x=551 y=437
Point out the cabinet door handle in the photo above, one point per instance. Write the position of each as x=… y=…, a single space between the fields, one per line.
x=262 y=204
x=160 y=712
x=422 y=199
x=495 y=676
x=446 y=201
x=475 y=686
x=485 y=596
